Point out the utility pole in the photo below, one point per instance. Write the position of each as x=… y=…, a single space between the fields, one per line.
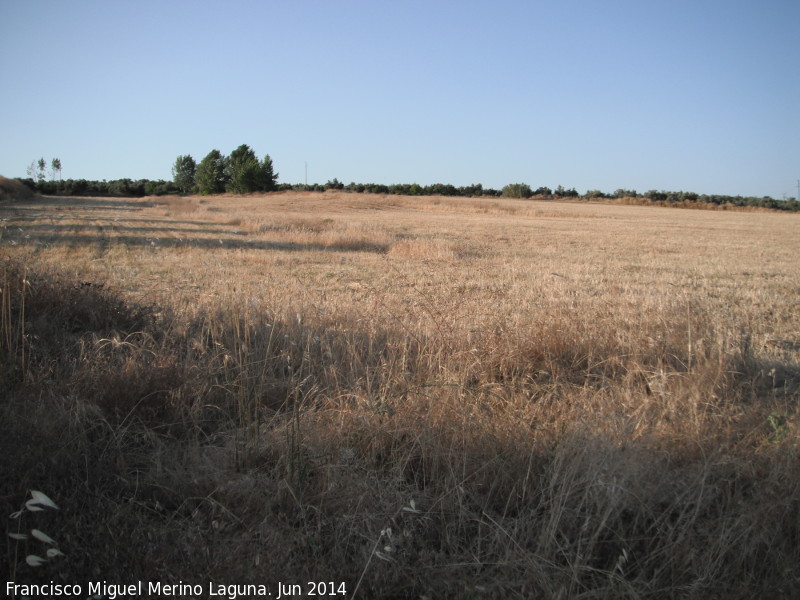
x=307 y=174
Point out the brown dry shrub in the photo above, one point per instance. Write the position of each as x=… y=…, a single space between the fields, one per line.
x=14 y=189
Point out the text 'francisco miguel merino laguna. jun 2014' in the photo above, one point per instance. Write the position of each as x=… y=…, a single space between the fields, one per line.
x=157 y=589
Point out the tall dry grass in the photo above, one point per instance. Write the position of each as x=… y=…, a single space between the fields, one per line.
x=457 y=404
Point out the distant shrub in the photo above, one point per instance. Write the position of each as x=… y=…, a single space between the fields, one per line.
x=334 y=184
x=517 y=190
x=160 y=188
x=562 y=192
x=543 y=191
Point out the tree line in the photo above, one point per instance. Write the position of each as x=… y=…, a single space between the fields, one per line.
x=525 y=191
x=514 y=190
x=242 y=172
x=239 y=173
x=687 y=198
x=121 y=188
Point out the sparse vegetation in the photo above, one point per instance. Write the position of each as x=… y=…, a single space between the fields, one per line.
x=505 y=398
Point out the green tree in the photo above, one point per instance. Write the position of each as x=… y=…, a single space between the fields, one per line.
x=517 y=190
x=246 y=174
x=210 y=175
x=242 y=170
x=55 y=167
x=183 y=173
x=268 y=174
x=42 y=167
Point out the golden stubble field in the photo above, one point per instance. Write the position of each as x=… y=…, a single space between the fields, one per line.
x=472 y=262
x=432 y=397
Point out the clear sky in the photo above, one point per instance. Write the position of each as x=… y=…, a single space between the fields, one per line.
x=700 y=95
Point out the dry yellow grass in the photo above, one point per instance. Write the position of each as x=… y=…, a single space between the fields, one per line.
x=580 y=399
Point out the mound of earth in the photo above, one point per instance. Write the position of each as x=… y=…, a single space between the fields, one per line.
x=14 y=189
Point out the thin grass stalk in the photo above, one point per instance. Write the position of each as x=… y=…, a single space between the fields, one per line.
x=12 y=333
x=22 y=319
x=5 y=313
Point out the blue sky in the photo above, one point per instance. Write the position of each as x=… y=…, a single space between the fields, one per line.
x=694 y=95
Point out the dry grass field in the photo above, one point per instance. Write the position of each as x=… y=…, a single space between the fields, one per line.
x=418 y=397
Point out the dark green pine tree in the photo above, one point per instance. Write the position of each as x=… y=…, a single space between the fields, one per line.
x=210 y=177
